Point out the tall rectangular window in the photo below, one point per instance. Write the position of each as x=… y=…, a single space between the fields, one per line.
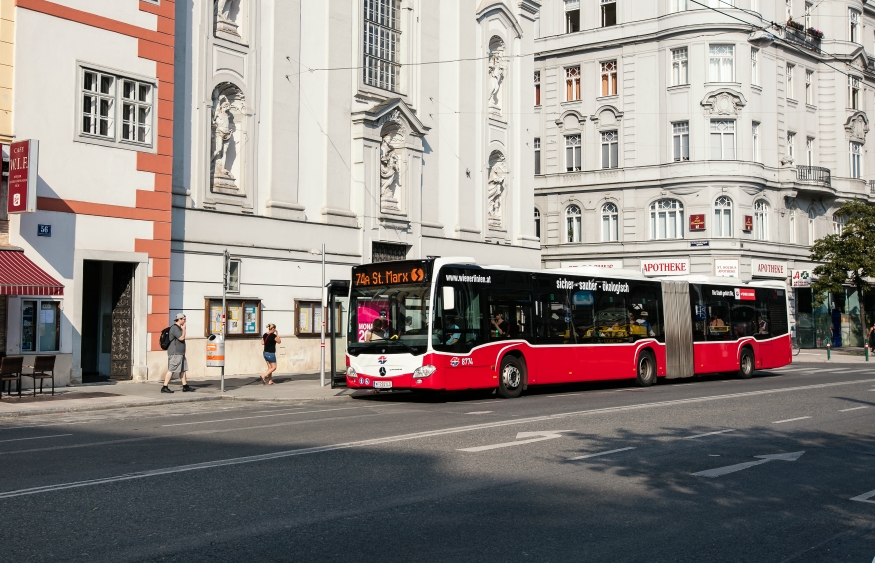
x=809 y=87
x=609 y=12
x=853 y=92
x=40 y=326
x=537 y=87
x=572 y=153
x=853 y=26
x=610 y=149
x=755 y=141
x=679 y=67
x=609 y=78
x=382 y=40
x=788 y=10
x=722 y=139
x=791 y=146
x=809 y=151
x=680 y=141
x=234 y=276
x=754 y=66
x=856 y=160
x=572 y=16
x=537 y=155
x=791 y=95
x=572 y=83
x=808 y=8
x=721 y=67
x=679 y=5
x=136 y=112
x=98 y=104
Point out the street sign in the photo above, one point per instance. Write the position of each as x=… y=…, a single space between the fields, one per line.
x=23 y=172
x=43 y=230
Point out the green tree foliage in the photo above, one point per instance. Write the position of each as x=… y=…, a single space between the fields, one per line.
x=847 y=257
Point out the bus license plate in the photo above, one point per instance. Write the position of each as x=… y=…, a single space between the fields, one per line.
x=382 y=384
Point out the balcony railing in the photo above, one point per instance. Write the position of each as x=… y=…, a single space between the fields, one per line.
x=802 y=38
x=871 y=184
x=815 y=175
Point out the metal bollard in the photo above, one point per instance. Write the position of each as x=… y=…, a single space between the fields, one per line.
x=828 y=350
x=867 y=352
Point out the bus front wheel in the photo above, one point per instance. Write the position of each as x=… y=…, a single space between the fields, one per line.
x=510 y=378
x=746 y=364
x=646 y=369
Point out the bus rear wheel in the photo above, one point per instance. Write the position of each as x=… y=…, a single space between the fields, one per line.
x=510 y=378
x=746 y=364
x=646 y=369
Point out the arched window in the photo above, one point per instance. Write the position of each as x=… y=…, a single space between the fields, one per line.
x=761 y=220
x=666 y=219
x=572 y=223
x=811 y=217
x=723 y=217
x=537 y=223
x=610 y=223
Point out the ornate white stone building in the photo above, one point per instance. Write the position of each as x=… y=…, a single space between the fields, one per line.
x=673 y=141
x=385 y=129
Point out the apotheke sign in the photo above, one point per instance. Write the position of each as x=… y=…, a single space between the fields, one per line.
x=768 y=269
x=666 y=267
x=724 y=268
x=23 y=171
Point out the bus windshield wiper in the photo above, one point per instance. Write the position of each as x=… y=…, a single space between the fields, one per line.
x=412 y=350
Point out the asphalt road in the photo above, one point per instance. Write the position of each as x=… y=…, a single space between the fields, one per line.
x=668 y=473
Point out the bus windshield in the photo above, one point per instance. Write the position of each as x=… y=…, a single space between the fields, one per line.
x=389 y=316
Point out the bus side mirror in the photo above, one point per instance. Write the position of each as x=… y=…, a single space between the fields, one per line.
x=449 y=298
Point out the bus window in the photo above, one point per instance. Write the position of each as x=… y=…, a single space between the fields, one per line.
x=700 y=313
x=744 y=319
x=778 y=312
x=614 y=321
x=457 y=328
x=553 y=308
x=509 y=314
x=763 y=324
x=644 y=304
x=583 y=315
x=719 y=321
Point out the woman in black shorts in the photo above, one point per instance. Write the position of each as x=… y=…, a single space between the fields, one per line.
x=270 y=339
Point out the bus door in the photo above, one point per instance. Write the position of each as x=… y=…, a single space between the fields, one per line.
x=338 y=318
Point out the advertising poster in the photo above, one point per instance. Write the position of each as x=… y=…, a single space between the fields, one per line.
x=250 y=319
x=235 y=319
x=216 y=319
x=304 y=320
x=368 y=311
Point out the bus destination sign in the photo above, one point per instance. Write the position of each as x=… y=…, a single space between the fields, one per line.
x=389 y=274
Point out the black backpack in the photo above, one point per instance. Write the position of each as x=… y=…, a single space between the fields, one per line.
x=164 y=340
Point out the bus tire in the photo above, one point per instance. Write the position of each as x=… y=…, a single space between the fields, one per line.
x=645 y=369
x=746 y=365
x=510 y=378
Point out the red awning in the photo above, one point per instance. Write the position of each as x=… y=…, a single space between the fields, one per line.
x=20 y=276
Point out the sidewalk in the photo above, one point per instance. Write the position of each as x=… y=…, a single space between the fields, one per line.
x=850 y=355
x=124 y=394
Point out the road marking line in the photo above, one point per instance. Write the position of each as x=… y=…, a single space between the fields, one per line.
x=259 y=416
x=790 y=420
x=720 y=471
x=600 y=454
x=405 y=437
x=478 y=412
x=564 y=395
x=853 y=409
x=865 y=497
x=709 y=434
x=36 y=438
x=843 y=370
x=539 y=437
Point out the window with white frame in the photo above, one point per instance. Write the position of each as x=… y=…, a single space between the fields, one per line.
x=761 y=219
x=791 y=93
x=808 y=8
x=722 y=139
x=811 y=217
x=809 y=151
x=572 y=16
x=572 y=83
x=537 y=87
x=610 y=223
x=838 y=224
x=102 y=93
x=610 y=149
x=680 y=73
x=572 y=224
x=809 y=87
x=609 y=12
x=382 y=42
x=755 y=142
x=40 y=326
x=856 y=160
x=788 y=10
x=680 y=141
x=572 y=153
x=609 y=78
x=537 y=145
x=791 y=145
x=853 y=26
x=537 y=223
x=234 y=276
x=679 y=5
x=853 y=92
x=723 y=217
x=754 y=66
x=721 y=63
x=666 y=219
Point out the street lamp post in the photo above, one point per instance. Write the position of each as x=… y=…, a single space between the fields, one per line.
x=322 y=338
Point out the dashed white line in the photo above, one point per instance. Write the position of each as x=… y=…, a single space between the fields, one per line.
x=478 y=412
x=599 y=454
x=259 y=416
x=709 y=434
x=853 y=409
x=790 y=419
x=35 y=438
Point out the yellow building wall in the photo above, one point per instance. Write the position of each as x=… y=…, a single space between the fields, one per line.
x=7 y=41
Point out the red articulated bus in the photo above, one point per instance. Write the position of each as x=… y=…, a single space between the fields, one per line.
x=449 y=324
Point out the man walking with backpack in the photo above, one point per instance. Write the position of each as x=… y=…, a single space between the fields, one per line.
x=176 y=362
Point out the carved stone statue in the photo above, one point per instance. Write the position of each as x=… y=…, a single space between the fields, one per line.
x=390 y=174
x=497 y=72
x=495 y=192
x=224 y=20
x=228 y=111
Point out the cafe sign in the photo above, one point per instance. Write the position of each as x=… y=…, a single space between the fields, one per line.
x=768 y=269
x=666 y=267
x=23 y=170
x=697 y=222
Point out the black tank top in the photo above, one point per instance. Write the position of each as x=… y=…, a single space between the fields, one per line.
x=269 y=342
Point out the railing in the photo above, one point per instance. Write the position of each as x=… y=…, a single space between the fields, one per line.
x=802 y=38
x=871 y=186
x=814 y=175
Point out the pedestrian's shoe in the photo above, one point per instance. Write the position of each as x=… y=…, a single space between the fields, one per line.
x=187 y=388
x=166 y=389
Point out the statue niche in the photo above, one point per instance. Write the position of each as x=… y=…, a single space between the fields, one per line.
x=228 y=112
x=497 y=73
x=495 y=193
x=228 y=16
x=393 y=135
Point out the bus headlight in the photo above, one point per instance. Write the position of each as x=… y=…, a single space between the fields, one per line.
x=424 y=371
x=350 y=373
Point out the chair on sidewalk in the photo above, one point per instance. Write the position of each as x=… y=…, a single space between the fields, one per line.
x=10 y=370
x=43 y=368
